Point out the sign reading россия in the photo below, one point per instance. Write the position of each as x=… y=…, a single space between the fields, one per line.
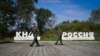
x=78 y=36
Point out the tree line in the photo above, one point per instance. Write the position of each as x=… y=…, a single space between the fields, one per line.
x=92 y=24
x=17 y=15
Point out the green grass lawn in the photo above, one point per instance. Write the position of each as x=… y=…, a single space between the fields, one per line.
x=46 y=38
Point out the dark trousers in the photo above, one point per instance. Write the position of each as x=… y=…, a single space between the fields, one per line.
x=35 y=41
x=59 y=39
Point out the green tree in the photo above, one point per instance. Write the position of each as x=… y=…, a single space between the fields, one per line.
x=24 y=11
x=7 y=19
x=75 y=21
x=42 y=17
x=11 y=11
x=95 y=16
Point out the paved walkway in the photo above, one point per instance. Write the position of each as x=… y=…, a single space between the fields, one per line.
x=70 y=48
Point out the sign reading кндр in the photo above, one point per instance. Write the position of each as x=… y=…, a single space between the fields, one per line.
x=25 y=36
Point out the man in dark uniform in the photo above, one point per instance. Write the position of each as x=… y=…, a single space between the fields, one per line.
x=59 y=37
x=35 y=33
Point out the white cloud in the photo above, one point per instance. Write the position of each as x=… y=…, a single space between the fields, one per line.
x=74 y=11
x=67 y=10
x=71 y=12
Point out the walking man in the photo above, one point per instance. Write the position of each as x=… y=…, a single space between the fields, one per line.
x=59 y=37
x=35 y=33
